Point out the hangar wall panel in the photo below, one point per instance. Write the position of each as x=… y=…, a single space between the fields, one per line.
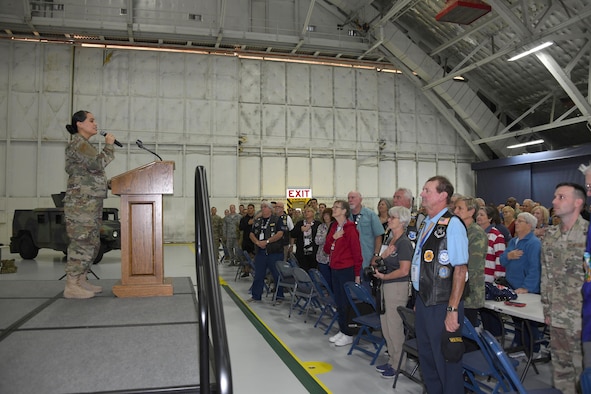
x=323 y=177
x=298 y=126
x=322 y=86
x=249 y=176
x=298 y=172
x=387 y=173
x=273 y=173
x=344 y=87
x=322 y=127
x=345 y=177
x=298 y=84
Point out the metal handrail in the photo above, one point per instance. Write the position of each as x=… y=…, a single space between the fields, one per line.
x=209 y=297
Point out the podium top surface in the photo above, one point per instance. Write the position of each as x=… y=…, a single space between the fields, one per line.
x=152 y=178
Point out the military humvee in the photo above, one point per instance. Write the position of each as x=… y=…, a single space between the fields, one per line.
x=33 y=229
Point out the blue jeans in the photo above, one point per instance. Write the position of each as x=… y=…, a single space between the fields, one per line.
x=262 y=263
x=339 y=278
x=439 y=375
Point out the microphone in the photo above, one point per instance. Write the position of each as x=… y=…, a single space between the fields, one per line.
x=140 y=144
x=104 y=133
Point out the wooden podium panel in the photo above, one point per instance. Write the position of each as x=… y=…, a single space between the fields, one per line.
x=142 y=253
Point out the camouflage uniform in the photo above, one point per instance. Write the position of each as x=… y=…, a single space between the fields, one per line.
x=83 y=203
x=217 y=225
x=562 y=277
x=477 y=248
x=231 y=235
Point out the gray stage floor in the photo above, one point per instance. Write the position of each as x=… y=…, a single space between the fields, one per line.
x=52 y=345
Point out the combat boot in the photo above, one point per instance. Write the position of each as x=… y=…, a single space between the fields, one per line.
x=73 y=288
x=85 y=284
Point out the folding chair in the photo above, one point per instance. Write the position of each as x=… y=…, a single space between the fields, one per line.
x=409 y=347
x=285 y=279
x=246 y=262
x=479 y=364
x=369 y=322
x=304 y=292
x=506 y=369
x=326 y=298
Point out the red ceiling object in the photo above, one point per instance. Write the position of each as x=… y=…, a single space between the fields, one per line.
x=463 y=12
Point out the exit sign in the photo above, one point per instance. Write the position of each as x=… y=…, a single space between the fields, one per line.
x=298 y=193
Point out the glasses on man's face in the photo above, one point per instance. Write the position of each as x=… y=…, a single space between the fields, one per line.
x=336 y=206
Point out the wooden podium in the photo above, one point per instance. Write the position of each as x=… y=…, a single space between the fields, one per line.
x=142 y=257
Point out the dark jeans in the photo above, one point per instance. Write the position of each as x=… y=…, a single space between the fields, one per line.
x=262 y=263
x=325 y=271
x=439 y=376
x=522 y=333
x=339 y=278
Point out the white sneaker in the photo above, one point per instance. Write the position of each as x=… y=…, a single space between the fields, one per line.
x=344 y=340
x=336 y=337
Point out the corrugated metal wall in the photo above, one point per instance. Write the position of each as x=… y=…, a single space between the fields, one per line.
x=302 y=126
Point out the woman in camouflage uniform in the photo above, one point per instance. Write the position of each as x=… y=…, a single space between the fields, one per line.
x=83 y=204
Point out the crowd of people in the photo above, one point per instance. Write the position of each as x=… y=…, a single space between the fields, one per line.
x=437 y=258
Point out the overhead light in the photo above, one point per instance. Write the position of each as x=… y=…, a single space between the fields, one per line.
x=534 y=49
x=534 y=142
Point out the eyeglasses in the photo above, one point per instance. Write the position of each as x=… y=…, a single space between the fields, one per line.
x=393 y=217
x=336 y=206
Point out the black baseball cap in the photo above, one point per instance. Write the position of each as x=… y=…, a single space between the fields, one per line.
x=452 y=346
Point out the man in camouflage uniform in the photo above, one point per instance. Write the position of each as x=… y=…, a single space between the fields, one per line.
x=231 y=235
x=217 y=229
x=562 y=277
x=83 y=203
x=467 y=208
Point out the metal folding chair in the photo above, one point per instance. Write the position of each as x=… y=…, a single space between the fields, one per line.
x=507 y=370
x=326 y=298
x=304 y=292
x=285 y=279
x=369 y=322
x=409 y=347
x=479 y=364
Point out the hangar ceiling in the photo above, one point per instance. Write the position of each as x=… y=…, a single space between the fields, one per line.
x=544 y=95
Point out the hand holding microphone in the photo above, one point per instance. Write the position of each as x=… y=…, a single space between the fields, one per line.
x=109 y=136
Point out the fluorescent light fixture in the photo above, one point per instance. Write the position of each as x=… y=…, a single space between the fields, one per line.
x=533 y=142
x=534 y=49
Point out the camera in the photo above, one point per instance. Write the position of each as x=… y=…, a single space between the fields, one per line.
x=372 y=269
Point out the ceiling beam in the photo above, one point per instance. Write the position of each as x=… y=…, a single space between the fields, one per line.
x=532 y=130
x=308 y=16
x=564 y=81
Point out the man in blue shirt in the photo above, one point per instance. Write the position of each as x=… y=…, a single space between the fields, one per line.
x=369 y=226
x=438 y=273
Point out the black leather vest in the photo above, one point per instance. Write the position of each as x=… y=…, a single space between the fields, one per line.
x=436 y=274
x=269 y=229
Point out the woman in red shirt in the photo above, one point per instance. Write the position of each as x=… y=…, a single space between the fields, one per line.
x=343 y=247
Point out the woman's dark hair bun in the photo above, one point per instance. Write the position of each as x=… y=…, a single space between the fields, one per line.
x=71 y=129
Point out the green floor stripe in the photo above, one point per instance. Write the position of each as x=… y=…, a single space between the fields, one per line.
x=300 y=372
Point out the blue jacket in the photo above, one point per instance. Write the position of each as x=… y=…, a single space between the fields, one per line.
x=524 y=272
